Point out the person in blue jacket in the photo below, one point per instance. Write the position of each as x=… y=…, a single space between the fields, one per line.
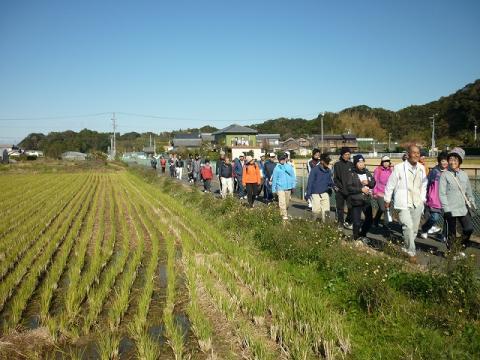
x=238 y=165
x=319 y=188
x=283 y=182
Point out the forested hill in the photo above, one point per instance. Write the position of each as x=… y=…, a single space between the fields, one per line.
x=456 y=117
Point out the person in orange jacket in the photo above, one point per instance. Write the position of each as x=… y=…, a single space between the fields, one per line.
x=251 y=179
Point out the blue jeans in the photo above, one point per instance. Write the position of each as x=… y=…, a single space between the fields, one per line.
x=267 y=191
x=240 y=189
x=432 y=218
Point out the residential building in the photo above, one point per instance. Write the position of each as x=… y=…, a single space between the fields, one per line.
x=269 y=142
x=333 y=143
x=236 y=135
x=187 y=141
x=300 y=146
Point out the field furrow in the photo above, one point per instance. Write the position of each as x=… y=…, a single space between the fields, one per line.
x=59 y=225
x=71 y=224
x=28 y=233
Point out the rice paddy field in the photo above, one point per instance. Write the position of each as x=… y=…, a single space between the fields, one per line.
x=112 y=263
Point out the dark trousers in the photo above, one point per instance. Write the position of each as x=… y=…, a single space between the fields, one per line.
x=451 y=225
x=357 y=220
x=432 y=218
x=267 y=191
x=380 y=210
x=172 y=171
x=207 y=184
x=163 y=169
x=252 y=190
x=340 y=201
x=239 y=187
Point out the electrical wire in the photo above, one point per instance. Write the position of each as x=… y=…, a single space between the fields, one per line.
x=54 y=117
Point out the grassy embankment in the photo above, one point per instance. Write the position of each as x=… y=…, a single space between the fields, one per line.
x=381 y=307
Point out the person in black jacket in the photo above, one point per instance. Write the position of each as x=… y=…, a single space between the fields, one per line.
x=225 y=173
x=268 y=169
x=341 y=174
x=359 y=187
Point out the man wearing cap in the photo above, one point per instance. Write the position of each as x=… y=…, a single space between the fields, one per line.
x=226 y=177
x=283 y=181
x=408 y=183
x=319 y=187
x=457 y=200
x=341 y=174
x=268 y=169
x=238 y=165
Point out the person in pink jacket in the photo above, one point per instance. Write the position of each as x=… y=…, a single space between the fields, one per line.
x=381 y=175
x=433 y=208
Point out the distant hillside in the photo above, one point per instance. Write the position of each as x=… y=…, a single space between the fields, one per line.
x=456 y=117
x=55 y=143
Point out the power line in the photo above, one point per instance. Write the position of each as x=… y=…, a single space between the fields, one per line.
x=161 y=117
x=204 y=119
x=53 y=117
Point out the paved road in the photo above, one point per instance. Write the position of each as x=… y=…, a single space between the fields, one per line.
x=430 y=252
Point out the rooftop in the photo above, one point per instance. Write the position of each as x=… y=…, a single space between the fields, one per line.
x=187 y=136
x=236 y=129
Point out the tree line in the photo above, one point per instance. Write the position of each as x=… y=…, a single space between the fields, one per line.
x=455 y=118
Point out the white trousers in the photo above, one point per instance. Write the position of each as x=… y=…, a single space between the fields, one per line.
x=179 y=173
x=410 y=219
x=227 y=186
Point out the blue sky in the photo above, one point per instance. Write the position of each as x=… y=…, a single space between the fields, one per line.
x=215 y=62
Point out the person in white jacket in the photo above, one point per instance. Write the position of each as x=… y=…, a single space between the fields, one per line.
x=408 y=186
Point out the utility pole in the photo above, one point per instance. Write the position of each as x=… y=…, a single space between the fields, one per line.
x=114 y=142
x=475 y=138
x=433 y=132
x=389 y=142
x=321 y=125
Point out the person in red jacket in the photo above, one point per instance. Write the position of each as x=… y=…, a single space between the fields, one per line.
x=163 y=164
x=206 y=173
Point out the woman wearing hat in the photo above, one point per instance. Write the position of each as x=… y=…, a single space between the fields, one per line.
x=433 y=206
x=457 y=199
x=381 y=175
x=359 y=187
x=251 y=179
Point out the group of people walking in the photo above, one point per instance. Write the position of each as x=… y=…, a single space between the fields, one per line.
x=409 y=187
